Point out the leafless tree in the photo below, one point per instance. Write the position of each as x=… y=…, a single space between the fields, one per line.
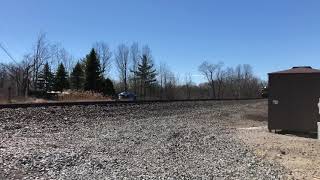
x=54 y=59
x=147 y=52
x=122 y=62
x=58 y=55
x=171 y=85
x=209 y=71
x=250 y=84
x=3 y=75
x=162 y=78
x=19 y=76
x=168 y=82
x=220 y=79
x=104 y=55
x=26 y=65
x=41 y=53
x=135 y=56
x=67 y=59
x=230 y=83
x=188 y=84
x=239 y=82
x=239 y=77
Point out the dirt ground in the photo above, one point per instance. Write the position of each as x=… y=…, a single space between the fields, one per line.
x=299 y=155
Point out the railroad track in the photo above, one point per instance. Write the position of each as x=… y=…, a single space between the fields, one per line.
x=110 y=103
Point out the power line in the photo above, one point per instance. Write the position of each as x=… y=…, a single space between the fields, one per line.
x=8 y=54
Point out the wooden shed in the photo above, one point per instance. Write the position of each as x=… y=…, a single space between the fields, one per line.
x=293 y=99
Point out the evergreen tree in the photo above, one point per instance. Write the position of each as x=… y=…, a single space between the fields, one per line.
x=61 y=79
x=108 y=88
x=93 y=74
x=77 y=77
x=146 y=73
x=48 y=76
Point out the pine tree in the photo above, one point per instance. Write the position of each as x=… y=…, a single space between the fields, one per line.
x=146 y=73
x=93 y=74
x=77 y=77
x=48 y=76
x=61 y=79
x=108 y=88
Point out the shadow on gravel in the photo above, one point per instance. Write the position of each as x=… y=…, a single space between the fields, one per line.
x=312 y=135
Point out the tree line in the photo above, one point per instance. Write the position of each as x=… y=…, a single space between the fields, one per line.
x=49 y=67
x=86 y=75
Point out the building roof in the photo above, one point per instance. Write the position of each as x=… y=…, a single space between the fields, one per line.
x=298 y=70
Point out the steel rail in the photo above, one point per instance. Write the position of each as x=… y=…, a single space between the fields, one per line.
x=111 y=103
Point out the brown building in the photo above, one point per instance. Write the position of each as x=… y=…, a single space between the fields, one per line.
x=293 y=99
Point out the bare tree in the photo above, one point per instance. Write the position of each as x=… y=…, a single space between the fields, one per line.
x=63 y=56
x=104 y=55
x=231 y=83
x=171 y=85
x=209 y=70
x=220 y=79
x=40 y=55
x=135 y=56
x=188 y=84
x=18 y=75
x=3 y=75
x=163 y=78
x=250 y=84
x=26 y=68
x=168 y=82
x=15 y=74
x=67 y=60
x=147 y=52
x=59 y=54
x=239 y=82
x=54 y=59
x=239 y=77
x=122 y=62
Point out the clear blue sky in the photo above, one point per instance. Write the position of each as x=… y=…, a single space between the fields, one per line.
x=268 y=34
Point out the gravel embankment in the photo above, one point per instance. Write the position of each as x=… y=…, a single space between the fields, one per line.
x=297 y=152
x=151 y=141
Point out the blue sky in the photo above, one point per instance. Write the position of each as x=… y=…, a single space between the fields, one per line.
x=270 y=35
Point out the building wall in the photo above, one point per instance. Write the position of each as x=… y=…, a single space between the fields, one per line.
x=293 y=100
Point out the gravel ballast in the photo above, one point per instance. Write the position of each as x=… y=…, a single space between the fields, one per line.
x=182 y=140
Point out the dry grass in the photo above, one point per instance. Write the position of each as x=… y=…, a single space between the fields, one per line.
x=81 y=96
x=21 y=100
x=65 y=96
x=2 y=100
